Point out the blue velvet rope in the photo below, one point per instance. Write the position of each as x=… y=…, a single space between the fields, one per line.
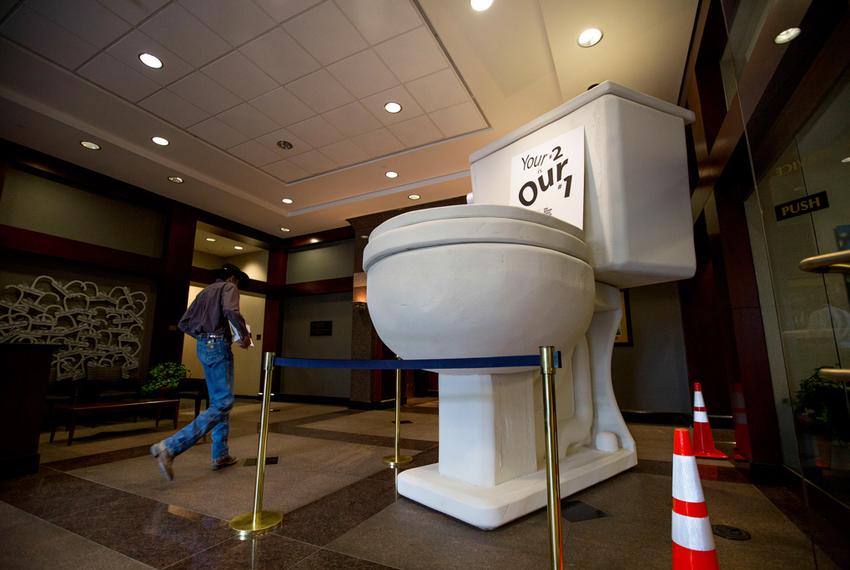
x=432 y=363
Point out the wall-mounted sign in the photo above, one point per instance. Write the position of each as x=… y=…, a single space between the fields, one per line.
x=549 y=178
x=801 y=206
x=321 y=328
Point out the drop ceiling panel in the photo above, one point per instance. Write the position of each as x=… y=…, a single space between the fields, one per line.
x=128 y=49
x=409 y=107
x=113 y=75
x=284 y=10
x=248 y=121
x=181 y=32
x=378 y=143
x=236 y=22
x=326 y=33
x=218 y=133
x=320 y=91
x=316 y=131
x=283 y=107
x=202 y=91
x=413 y=54
x=280 y=56
x=173 y=108
x=313 y=162
x=285 y=170
x=379 y=20
x=352 y=119
x=34 y=31
x=270 y=141
x=363 y=74
x=344 y=153
x=255 y=153
x=87 y=19
x=438 y=90
x=134 y=11
x=416 y=132
x=240 y=76
x=458 y=119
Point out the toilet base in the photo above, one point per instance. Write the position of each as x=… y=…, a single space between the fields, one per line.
x=491 y=507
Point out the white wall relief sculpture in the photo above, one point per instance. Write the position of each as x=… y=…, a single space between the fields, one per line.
x=94 y=327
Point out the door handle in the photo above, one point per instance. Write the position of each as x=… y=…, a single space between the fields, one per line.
x=835 y=262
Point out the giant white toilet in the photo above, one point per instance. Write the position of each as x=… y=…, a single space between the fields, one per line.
x=587 y=199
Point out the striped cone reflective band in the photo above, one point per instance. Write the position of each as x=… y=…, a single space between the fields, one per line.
x=693 y=543
x=703 y=438
x=743 y=451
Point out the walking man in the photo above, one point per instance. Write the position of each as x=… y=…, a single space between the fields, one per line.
x=209 y=320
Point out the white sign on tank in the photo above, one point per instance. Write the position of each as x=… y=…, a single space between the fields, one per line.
x=549 y=178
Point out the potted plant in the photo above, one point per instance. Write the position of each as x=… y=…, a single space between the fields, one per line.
x=164 y=377
x=820 y=407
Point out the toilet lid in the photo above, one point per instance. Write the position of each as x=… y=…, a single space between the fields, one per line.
x=473 y=223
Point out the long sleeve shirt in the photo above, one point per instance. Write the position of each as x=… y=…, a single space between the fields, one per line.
x=211 y=311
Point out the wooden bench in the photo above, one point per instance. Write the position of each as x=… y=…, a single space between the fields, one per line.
x=72 y=411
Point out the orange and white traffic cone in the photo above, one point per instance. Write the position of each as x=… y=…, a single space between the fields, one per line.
x=743 y=451
x=703 y=438
x=693 y=543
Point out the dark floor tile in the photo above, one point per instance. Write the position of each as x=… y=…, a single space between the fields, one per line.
x=265 y=552
x=577 y=511
x=332 y=516
x=98 y=458
x=50 y=494
x=427 y=457
x=317 y=418
x=149 y=531
x=327 y=560
x=420 y=410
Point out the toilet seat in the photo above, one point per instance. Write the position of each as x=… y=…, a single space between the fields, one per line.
x=484 y=223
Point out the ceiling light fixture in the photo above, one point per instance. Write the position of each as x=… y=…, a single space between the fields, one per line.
x=287 y=201
x=90 y=145
x=160 y=141
x=150 y=60
x=175 y=179
x=285 y=145
x=589 y=37
x=786 y=36
x=314 y=240
x=391 y=174
x=239 y=247
x=283 y=229
x=846 y=159
x=211 y=239
x=480 y=5
x=414 y=197
x=392 y=107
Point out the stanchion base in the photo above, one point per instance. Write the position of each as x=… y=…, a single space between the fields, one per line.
x=244 y=524
x=394 y=461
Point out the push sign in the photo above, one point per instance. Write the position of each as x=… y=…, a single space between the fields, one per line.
x=549 y=178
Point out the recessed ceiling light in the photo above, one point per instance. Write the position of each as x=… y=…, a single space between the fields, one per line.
x=90 y=145
x=150 y=60
x=314 y=240
x=364 y=237
x=175 y=179
x=283 y=229
x=239 y=247
x=414 y=196
x=786 y=36
x=160 y=141
x=392 y=107
x=285 y=145
x=589 y=37
x=845 y=159
x=480 y=5
x=210 y=239
x=287 y=200
x=391 y=174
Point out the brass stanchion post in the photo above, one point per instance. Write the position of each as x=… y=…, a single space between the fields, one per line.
x=396 y=460
x=259 y=521
x=553 y=480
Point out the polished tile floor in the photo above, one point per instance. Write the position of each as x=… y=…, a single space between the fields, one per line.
x=100 y=503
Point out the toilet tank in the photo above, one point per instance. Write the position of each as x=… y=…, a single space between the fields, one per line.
x=636 y=211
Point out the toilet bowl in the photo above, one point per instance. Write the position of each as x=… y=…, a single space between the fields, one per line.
x=468 y=281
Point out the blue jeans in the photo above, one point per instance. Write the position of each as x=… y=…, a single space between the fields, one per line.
x=217 y=359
